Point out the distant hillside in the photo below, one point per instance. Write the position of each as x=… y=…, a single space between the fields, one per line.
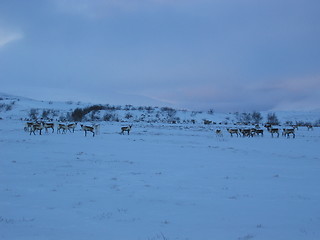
x=14 y=107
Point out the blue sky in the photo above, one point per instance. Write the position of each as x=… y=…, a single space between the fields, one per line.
x=229 y=55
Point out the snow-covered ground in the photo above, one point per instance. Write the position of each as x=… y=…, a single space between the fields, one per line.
x=173 y=182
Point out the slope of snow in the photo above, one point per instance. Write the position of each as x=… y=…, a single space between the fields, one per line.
x=21 y=107
x=163 y=181
x=160 y=182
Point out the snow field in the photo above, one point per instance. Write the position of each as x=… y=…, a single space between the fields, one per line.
x=159 y=182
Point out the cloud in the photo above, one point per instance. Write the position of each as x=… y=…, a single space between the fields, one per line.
x=280 y=94
x=93 y=8
x=299 y=93
x=8 y=36
x=102 y=8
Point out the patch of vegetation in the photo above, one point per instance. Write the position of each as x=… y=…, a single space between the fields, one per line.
x=33 y=113
x=273 y=119
x=79 y=113
x=6 y=106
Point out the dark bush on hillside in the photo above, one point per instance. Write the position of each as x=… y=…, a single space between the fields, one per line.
x=128 y=116
x=289 y=122
x=170 y=111
x=302 y=123
x=94 y=108
x=79 y=113
x=127 y=107
x=273 y=119
x=211 y=111
x=256 y=117
x=46 y=113
x=6 y=107
x=149 y=109
x=33 y=114
x=109 y=117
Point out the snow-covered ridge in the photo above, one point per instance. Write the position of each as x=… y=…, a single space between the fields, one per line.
x=163 y=181
x=14 y=107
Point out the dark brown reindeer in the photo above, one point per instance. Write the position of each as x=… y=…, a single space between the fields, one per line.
x=219 y=133
x=88 y=129
x=246 y=132
x=273 y=131
x=310 y=127
x=48 y=125
x=126 y=129
x=62 y=127
x=72 y=126
x=268 y=126
x=287 y=131
x=36 y=127
x=28 y=126
x=259 y=132
x=233 y=131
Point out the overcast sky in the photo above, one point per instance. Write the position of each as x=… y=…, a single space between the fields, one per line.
x=229 y=55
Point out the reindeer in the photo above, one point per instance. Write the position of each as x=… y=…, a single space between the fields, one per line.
x=310 y=127
x=72 y=126
x=268 y=126
x=88 y=129
x=246 y=132
x=288 y=131
x=207 y=122
x=63 y=127
x=48 y=125
x=233 y=131
x=28 y=126
x=253 y=131
x=259 y=131
x=124 y=129
x=274 y=130
x=219 y=133
x=35 y=127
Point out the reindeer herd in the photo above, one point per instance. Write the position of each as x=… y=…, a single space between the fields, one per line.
x=257 y=131
x=63 y=128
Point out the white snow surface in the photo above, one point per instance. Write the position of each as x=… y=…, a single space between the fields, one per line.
x=161 y=182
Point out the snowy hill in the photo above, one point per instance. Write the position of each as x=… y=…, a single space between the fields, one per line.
x=14 y=107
